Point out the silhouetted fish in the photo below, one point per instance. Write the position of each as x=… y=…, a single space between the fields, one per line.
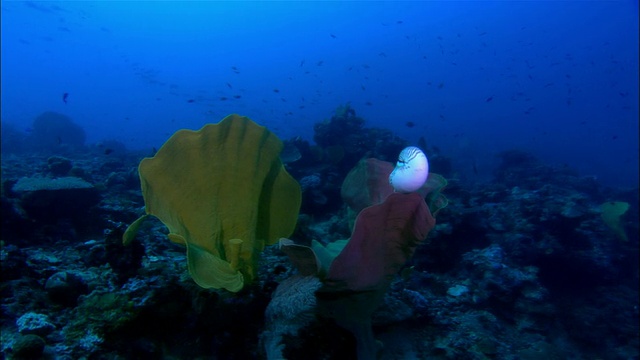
x=108 y=151
x=290 y=153
x=64 y=97
x=489 y=99
x=410 y=124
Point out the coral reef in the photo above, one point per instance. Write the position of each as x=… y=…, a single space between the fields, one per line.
x=521 y=267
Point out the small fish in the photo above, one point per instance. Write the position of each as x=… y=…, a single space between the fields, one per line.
x=399 y=22
x=489 y=99
x=362 y=86
x=64 y=97
x=320 y=63
x=108 y=151
x=276 y=90
x=368 y=103
x=301 y=62
x=333 y=36
x=190 y=100
x=229 y=86
x=237 y=96
x=441 y=85
x=222 y=98
x=410 y=124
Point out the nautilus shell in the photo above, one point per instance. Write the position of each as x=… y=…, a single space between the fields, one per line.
x=411 y=170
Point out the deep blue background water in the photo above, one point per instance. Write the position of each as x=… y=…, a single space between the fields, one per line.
x=559 y=79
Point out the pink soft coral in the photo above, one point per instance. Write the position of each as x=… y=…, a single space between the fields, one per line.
x=384 y=238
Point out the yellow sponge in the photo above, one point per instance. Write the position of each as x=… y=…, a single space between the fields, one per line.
x=611 y=213
x=223 y=193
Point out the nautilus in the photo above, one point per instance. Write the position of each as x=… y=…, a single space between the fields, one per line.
x=411 y=170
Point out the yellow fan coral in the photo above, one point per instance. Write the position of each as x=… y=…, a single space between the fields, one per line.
x=223 y=193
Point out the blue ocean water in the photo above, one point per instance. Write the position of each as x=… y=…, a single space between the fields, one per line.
x=523 y=243
x=557 y=79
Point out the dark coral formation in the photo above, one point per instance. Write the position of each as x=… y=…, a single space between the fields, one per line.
x=55 y=132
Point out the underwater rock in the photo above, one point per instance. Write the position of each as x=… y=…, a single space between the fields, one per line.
x=33 y=323
x=13 y=141
x=312 y=181
x=65 y=197
x=457 y=290
x=14 y=261
x=55 y=132
x=64 y=288
x=124 y=260
x=28 y=347
x=59 y=166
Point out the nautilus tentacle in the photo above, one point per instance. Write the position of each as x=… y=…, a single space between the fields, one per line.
x=411 y=170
